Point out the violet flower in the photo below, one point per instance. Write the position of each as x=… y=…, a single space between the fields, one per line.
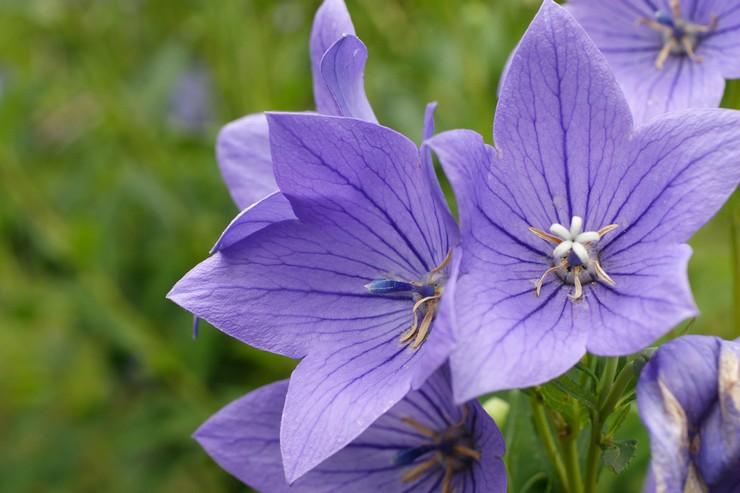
x=425 y=443
x=353 y=285
x=243 y=148
x=574 y=226
x=688 y=396
x=666 y=54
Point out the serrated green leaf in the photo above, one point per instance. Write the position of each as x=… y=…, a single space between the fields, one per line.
x=617 y=456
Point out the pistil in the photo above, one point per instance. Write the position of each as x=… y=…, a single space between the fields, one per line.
x=680 y=37
x=573 y=255
x=425 y=293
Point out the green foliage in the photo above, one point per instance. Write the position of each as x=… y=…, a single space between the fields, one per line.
x=618 y=455
x=107 y=200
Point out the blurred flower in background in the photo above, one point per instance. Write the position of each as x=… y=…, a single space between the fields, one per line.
x=190 y=107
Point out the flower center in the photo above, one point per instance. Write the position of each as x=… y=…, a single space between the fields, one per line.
x=575 y=261
x=425 y=293
x=451 y=449
x=680 y=37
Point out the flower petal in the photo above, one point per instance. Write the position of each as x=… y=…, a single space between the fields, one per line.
x=651 y=296
x=675 y=390
x=289 y=286
x=561 y=120
x=719 y=451
x=680 y=171
x=332 y=21
x=336 y=395
x=243 y=150
x=363 y=178
x=342 y=68
x=271 y=209
x=632 y=50
x=243 y=438
x=721 y=46
x=508 y=336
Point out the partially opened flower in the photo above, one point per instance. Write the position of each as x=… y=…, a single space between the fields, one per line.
x=243 y=148
x=666 y=54
x=574 y=226
x=424 y=443
x=688 y=396
x=354 y=285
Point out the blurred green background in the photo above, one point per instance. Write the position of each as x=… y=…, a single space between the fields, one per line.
x=111 y=192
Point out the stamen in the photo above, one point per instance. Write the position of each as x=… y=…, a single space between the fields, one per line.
x=416 y=472
x=431 y=309
x=444 y=263
x=447 y=482
x=424 y=327
x=602 y=274
x=577 y=281
x=573 y=252
x=546 y=236
x=680 y=36
x=606 y=229
x=466 y=451
x=422 y=429
x=538 y=286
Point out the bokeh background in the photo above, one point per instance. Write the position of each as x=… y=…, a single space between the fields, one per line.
x=109 y=192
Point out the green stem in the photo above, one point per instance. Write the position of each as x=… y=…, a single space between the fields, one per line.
x=543 y=431
x=572 y=464
x=623 y=380
x=610 y=391
x=735 y=243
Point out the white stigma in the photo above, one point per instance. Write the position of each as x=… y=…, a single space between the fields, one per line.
x=573 y=240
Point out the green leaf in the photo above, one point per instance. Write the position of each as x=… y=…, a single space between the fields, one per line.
x=618 y=420
x=617 y=456
x=568 y=386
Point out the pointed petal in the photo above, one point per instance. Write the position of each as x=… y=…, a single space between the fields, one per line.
x=508 y=336
x=273 y=208
x=243 y=438
x=288 y=287
x=632 y=50
x=651 y=296
x=331 y=22
x=363 y=178
x=682 y=168
x=243 y=150
x=561 y=121
x=334 y=397
x=343 y=68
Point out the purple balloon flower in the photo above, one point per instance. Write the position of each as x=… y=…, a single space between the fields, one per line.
x=666 y=54
x=353 y=285
x=338 y=62
x=573 y=227
x=688 y=396
x=425 y=443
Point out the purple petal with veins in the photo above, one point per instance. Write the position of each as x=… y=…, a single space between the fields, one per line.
x=410 y=448
x=534 y=294
x=688 y=396
x=353 y=284
x=700 y=42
